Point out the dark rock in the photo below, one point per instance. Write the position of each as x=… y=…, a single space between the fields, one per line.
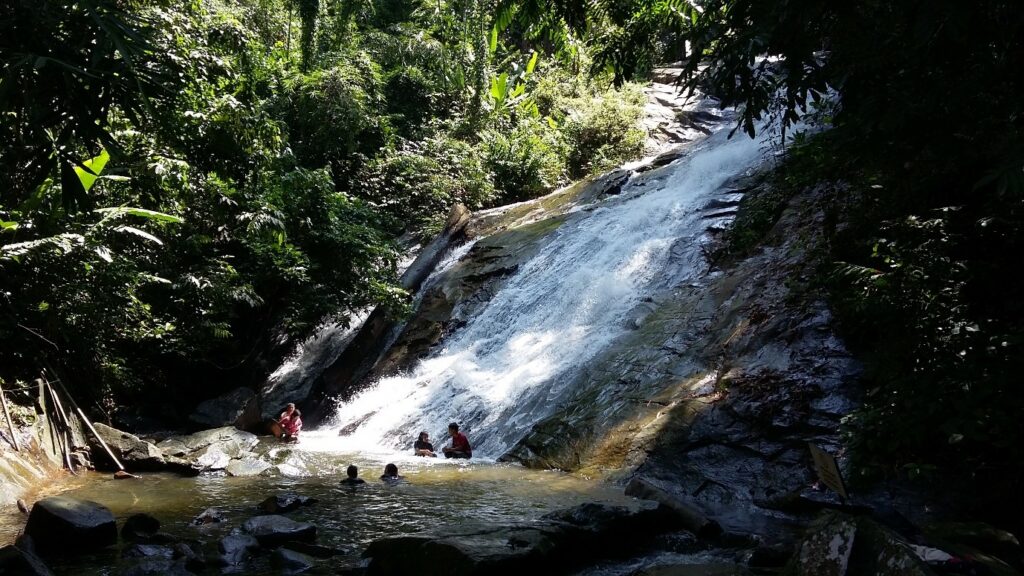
x=826 y=549
x=291 y=562
x=769 y=557
x=186 y=553
x=559 y=542
x=148 y=551
x=239 y=408
x=64 y=525
x=15 y=561
x=315 y=550
x=236 y=548
x=273 y=530
x=690 y=517
x=208 y=516
x=282 y=503
x=139 y=527
x=701 y=569
x=157 y=567
x=134 y=453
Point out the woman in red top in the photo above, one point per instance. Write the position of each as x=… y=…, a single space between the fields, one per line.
x=459 y=447
x=291 y=423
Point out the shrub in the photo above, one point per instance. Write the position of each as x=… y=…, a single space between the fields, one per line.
x=525 y=161
x=604 y=132
x=425 y=178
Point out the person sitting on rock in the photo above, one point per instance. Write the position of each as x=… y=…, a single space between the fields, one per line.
x=459 y=448
x=353 y=479
x=390 y=474
x=291 y=423
x=423 y=447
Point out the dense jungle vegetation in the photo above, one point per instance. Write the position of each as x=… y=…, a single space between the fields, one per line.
x=188 y=187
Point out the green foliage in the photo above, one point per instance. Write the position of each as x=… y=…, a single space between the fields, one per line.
x=422 y=179
x=604 y=132
x=527 y=160
x=190 y=188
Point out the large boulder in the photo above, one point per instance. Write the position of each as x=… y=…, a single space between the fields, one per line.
x=134 y=453
x=273 y=530
x=210 y=449
x=239 y=408
x=837 y=544
x=64 y=525
x=14 y=560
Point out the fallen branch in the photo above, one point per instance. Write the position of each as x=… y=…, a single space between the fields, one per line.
x=10 y=425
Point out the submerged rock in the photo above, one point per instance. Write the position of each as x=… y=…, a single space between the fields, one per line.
x=208 y=516
x=64 y=525
x=291 y=562
x=282 y=503
x=148 y=551
x=561 y=541
x=273 y=530
x=139 y=527
x=158 y=567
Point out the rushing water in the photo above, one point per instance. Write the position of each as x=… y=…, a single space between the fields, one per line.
x=506 y=369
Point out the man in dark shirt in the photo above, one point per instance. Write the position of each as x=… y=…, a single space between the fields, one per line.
x=423 y=447
x=459 y=447
x=352 y=479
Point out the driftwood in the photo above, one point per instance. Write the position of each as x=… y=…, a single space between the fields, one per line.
x=88 y=423
x=66 y=423
x=10 y=425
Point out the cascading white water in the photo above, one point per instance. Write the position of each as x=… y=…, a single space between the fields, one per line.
x=507 y=368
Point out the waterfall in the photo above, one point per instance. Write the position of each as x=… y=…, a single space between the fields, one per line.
x=507 y=368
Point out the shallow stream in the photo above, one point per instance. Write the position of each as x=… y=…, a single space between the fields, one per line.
x=435 y=492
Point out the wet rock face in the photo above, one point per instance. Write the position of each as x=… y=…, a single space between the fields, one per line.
x=717 y=389
x=239 y=408
x=60 y=525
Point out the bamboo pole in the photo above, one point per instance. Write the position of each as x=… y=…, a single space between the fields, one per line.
x=10 y=425
x=44 y=404
x=66 y=447
x=89 y=424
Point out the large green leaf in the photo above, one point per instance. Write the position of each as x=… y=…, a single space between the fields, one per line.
x=93 y=167
x=111 y=213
